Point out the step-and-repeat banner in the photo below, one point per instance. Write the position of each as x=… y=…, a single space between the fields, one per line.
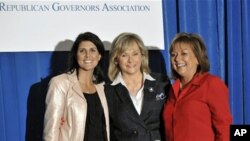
x=41 y=25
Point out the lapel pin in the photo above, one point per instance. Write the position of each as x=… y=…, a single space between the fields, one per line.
x=151 y=89
x=160 y=96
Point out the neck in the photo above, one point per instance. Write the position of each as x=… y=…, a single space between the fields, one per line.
x=134 y=78
x=85 y=79
x=133 y=82
x=185 y=81
x=85 y=76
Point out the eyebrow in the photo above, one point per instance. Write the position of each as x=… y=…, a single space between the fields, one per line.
x=134 y=50
x=181 y=50
x=92 y=47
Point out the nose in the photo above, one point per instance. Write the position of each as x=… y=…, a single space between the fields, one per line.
x=177 y=57
x=130 y=58
x=87 y=54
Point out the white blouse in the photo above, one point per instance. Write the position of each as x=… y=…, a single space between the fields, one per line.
x=138 y=98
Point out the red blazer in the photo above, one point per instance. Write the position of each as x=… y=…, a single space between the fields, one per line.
x=201 y=112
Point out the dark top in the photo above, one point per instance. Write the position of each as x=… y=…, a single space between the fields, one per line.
x=95 y=122
x=125 y=123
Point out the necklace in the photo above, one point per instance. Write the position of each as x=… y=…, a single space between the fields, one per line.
x=87 y=88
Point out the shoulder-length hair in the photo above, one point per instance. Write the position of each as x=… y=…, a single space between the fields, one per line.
x=72 y=61
x=198 y=47
x=119 y=45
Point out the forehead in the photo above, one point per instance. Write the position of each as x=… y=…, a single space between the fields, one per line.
x=180 y=46
x=130 y=47
x=86 y=44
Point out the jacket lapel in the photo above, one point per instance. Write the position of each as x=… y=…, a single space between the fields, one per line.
x=149 y=90
x=100 y=92
x=123 y=95
x=73 y=78
x=192 y=86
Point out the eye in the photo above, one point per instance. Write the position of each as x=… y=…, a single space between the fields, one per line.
x=173 y=54
x=184 y=53
x=93 y=50
x=81 y=50
x=124 y=55
x=136 y=53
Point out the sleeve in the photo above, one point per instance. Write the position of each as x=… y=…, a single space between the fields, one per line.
x=55 y=103
x=218 y=100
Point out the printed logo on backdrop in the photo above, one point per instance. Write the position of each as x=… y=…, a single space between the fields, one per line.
x=40 y=25
x=80 y=7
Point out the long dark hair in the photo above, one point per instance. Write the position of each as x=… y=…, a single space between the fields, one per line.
x=72 y=61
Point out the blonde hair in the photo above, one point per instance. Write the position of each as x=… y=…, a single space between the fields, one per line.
x=119 y=45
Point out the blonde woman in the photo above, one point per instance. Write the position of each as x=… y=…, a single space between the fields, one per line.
x=135 y=96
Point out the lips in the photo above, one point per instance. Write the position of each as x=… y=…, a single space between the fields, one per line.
x=87 y=61
x=131 y=66
x=181 y=65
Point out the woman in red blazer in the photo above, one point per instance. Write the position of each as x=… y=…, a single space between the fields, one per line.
x=198 y=105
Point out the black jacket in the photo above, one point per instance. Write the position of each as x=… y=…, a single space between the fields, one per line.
x=125 y=123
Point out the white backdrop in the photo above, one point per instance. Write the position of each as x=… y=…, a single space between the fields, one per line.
x=41 y=25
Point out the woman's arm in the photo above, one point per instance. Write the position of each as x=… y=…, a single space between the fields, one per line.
x=55 y=104
x=218 y=99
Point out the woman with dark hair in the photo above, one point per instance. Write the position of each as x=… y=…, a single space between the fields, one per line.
x=198 y=105
x=76 y=107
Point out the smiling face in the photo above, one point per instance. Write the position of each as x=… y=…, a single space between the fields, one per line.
x=130 y=60
x=87 y=56
x=183 y=60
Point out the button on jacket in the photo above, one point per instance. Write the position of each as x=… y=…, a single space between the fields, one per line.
x=65 y=101
x=201 y=112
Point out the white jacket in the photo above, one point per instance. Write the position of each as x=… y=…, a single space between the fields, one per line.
x=66 y=101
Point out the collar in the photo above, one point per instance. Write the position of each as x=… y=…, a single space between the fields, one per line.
x=196 y=81
x=119 y=79
x=72 y=76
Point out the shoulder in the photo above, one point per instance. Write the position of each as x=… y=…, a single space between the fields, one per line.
x=162 y=80
x=216 y=89
x=212 y=80
x=108 y=87
x=62 y=79
x=111 y=89
x=58 y=85
x=59 y=78
x=159 y=77
x=211 y=77
x=107 y=84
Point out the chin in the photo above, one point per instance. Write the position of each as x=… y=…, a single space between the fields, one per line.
x=87 y=68
x=132 y=72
